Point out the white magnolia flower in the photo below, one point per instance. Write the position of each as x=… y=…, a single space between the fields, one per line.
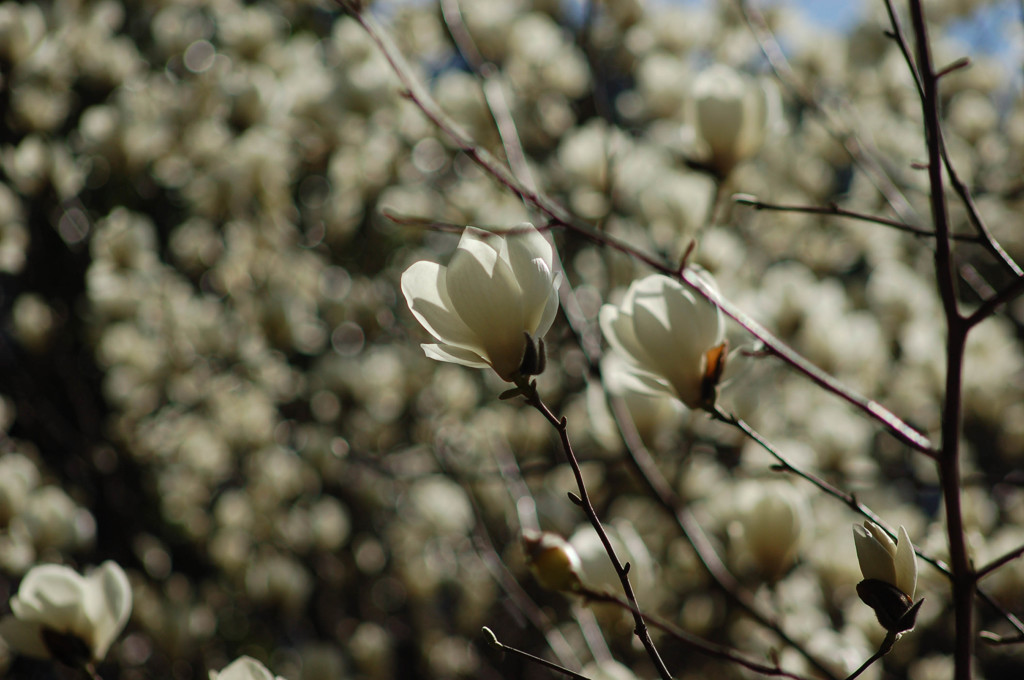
x=497 y=289
x=61 y=614
x=772 y=524
x=674 y=339
x=732 y=114
x=244 y=668
x=890 y=577
x=883 y=560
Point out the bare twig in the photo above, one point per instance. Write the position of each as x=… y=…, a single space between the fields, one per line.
x=699 y=644
x=989 y=307
x=783 y=465
x=835 y=210
x=854 y=145
x=883 y=649
x=493 y=641
x=987 y=239
x=999 y=562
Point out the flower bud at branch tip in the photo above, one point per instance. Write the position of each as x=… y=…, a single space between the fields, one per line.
x=553 y=561
x=890 y=576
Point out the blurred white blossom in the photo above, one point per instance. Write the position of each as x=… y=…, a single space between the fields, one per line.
x=244 y=668
x=772 y=525
x=672 y=337
x=61 y=614
x=732 y=113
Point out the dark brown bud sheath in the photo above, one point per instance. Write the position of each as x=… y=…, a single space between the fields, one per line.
x=534 y=359
x=894 y=609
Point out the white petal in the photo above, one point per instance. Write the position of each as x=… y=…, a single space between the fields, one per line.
x=487 y=298
x=425 y=291
x=526 y=243
x=617 y=327
x=54 y=596
x=882 y=537
x=875 y=560
x=243 y=668
x=906 y=564
x=530 y=257
x=454 y=355
x=671 y=357
x=107 y=586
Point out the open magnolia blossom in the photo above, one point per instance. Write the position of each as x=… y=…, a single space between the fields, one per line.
x=60 y=614
x=673 y=338
x=491 y=304
x=732 y=114
x=244 y=668
x=890 y=576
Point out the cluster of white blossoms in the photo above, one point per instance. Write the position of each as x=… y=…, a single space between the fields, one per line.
x=494 y=302
x=211 y=363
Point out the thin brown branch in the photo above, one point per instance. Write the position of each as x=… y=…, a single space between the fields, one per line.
x=692 y=641
x=493 y=641
x=974 y=215
x=493 y=89
x=999 y=562
x=883 y=649
x=850 y=500
x=989 y=307
x=962 y=576
x=855 y=146
x=834 y=210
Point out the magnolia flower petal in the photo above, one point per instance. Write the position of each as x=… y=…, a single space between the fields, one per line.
x=547 y=315
x=698 y=319
x=425 y=289
x=486 y=296
x=674 y=357
x=24 y=637
x=53 y=595
x=530 y=257
x=875 y=560
x=905 y=562
x=525 y=243
x=883 y=538
x=109 y=587
x=454 y=355
x=617 y=327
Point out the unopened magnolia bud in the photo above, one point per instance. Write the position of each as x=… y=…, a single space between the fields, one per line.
x=554 y=563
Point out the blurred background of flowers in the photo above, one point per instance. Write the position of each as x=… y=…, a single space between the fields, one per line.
x=208 y=374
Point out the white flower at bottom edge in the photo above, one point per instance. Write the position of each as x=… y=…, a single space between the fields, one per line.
x=496 y=288
x=58 y=613
x=244 y=668
x=669 y=334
